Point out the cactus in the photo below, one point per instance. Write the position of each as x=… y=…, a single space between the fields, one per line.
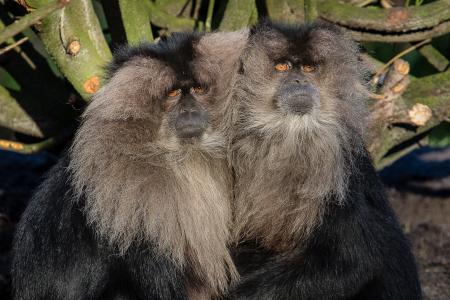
x=76 y=41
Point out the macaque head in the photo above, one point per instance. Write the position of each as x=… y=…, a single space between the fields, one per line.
x=186 y=108
x=303 y=72
x=301 y=106
x=173 y=93
x=149 y=156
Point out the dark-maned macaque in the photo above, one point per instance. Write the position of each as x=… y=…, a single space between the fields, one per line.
x=312 y=219
x=140 y=207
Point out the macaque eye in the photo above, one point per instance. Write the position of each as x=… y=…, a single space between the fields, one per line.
x=283 y=67
x=198 y=90
x=308 y=68
x=174 y=93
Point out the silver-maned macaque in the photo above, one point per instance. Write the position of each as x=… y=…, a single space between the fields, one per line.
x=312 y=220
x=140 y=207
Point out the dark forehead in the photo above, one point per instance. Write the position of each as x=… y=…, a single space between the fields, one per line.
x=176 y=52
x=306 y=41
x=296 y=35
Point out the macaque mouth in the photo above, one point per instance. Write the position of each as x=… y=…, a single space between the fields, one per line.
x=188 y=132
x=297 y=99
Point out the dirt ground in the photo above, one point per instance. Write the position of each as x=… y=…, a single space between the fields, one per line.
x=426 y=223
x=419 y=192
x=418 y=187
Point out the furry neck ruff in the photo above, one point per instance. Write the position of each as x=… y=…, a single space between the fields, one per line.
x=173 y=198
x=288 y=169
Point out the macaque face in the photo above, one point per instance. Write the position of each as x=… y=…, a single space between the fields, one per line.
x=186 y=107
x=297 y=71
x=297 y=92
x=168 y=91
x=150 y=154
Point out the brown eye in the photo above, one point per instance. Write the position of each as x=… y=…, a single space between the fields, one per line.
x=308 y=68
x=283 y=67
x=174 y=93
x=198 y=90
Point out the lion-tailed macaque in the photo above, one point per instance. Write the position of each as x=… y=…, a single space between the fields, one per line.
x=140 y=206
x=312 y=218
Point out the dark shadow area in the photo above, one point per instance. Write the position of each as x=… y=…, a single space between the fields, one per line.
x=261 y=6
x=219 y=11
x=46 y=98
x=19 y=176
x=115 y=24
x=418 y=186
x=425 y=171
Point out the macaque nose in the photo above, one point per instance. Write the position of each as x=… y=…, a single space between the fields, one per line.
x=190 y=112
x=188 y=106
x=300 y=80
x=296 y=96
x=191 y=121
x=187 y=110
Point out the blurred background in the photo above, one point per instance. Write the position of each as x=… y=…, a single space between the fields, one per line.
x=52 y=55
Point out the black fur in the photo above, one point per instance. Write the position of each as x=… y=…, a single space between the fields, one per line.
x=358 y=250
x=58 y=256
x=176 y=51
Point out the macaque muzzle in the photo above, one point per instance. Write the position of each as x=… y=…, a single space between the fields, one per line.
x=296 y=95
x=192 y=119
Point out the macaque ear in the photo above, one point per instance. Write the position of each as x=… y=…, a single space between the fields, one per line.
x=223 y=48
x=217 y=56
x=132 y=90
x=329 y=40
x=266 y=36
